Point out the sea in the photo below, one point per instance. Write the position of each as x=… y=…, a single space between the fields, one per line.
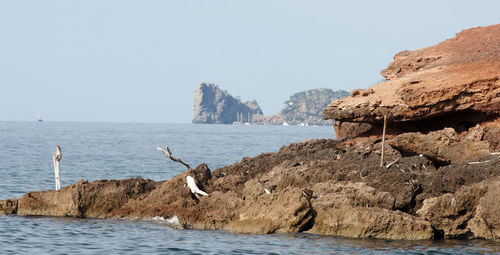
x=94 y=151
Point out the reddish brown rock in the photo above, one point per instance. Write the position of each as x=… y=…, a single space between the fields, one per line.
x=455 y=84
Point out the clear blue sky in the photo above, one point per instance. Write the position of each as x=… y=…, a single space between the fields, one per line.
x=140 y=61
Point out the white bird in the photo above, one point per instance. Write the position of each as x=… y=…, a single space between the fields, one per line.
x=192 y=186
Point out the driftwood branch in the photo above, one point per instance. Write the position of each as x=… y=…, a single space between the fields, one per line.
x=191 y=183
x=169 y=155
x=392 y=163
x=478 y=162
x=57 y=159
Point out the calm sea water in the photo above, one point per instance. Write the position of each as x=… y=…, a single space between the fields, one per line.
x=94 y=151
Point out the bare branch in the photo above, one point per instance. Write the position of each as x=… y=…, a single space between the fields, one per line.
x=169 y=155
x=57 y=159
x=475 y=163
x=393 y=162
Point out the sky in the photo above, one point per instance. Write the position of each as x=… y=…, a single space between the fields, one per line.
x=140 y=61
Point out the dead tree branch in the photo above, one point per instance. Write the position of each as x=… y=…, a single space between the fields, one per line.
x=169 y=155
x=57 y=159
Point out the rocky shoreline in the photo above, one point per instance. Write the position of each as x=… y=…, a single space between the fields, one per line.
x=322 y=186
x=440 y=178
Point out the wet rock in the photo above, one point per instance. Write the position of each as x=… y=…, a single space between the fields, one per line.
x=471 y=212
x=371 y=223
x=8 y=206
x=320 y=186
x=83 y=199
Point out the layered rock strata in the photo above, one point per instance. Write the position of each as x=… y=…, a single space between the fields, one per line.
x=455 y=83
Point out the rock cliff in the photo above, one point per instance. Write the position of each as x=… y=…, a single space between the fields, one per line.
x=440 y=178
x=455 y=84
x=306 y=107
x=213 y=105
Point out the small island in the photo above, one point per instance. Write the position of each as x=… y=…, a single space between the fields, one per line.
x=213 y=105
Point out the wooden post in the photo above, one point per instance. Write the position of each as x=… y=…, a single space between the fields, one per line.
x=57 y=158
x=383 y=142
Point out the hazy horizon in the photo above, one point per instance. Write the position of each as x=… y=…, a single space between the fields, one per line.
x=140 y=61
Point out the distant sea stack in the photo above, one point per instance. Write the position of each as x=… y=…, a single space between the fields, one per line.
x=306 y=108
x=213 y=105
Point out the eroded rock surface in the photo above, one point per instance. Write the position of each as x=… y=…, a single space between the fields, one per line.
x=8 y=206
x=471 y=211
x=442 y=146
x=318 y=186
x=83 y=199
x=455 y=83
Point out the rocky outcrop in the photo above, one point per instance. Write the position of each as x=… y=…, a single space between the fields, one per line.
x=455 y=83
x=317 y=186
x=305 y=107
x=84 y=199
x=213 y=105
x=8 y=206
x=442 y=146
x=440 y=177
x=471 y=211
